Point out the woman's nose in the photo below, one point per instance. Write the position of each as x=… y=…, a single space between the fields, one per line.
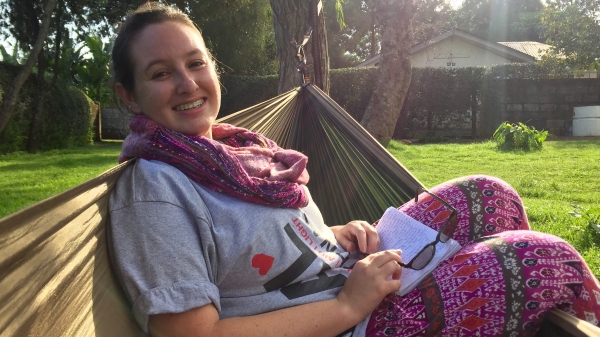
x=186 y=83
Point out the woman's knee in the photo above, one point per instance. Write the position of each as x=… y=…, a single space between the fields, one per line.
x=493 y=204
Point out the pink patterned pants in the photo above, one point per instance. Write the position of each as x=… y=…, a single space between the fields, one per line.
x=503 y=280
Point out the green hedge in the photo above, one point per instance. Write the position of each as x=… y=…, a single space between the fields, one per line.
x=439 y=101
x=66 y=122
x=240 y=92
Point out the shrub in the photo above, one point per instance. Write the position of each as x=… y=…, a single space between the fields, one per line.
x=590 y=215
x=518 y=137
x=14 y=135
x=66 y=120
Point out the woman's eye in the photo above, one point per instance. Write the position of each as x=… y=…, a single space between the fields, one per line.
x=159 y=74
x=197 y=64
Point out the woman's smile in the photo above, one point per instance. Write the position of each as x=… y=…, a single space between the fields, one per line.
x=189 y=106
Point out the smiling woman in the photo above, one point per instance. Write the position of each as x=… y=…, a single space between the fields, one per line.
x=176 y=83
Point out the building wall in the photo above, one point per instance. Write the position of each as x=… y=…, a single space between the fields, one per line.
x=458 y=52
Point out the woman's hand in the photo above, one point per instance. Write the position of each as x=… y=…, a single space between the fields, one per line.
x=369 y=282
x=357 y=232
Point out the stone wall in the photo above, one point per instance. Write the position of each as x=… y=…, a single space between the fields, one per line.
x=115 y=123
x=544 y=104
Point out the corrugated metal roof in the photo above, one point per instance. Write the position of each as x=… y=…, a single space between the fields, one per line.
x=532 y=48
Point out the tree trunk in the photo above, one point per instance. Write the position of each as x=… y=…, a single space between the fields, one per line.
x=42 y=89
x=373 y=47
x=295 y=17
x=36 y=120
x=10 y=98
x=385 y=105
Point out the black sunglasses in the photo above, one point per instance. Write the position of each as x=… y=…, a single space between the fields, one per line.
x=444 y=234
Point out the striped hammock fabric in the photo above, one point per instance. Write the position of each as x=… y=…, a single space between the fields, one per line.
x=351 y=175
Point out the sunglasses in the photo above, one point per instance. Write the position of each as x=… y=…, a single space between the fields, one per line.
x=426 y=254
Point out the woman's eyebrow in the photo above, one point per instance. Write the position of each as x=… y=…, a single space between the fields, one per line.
x=188 y=54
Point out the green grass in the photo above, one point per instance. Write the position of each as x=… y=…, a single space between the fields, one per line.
x=550 y=180
x=28 y=178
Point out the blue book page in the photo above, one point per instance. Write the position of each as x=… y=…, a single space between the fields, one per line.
x=399 y=231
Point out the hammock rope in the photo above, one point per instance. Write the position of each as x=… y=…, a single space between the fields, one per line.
x=352 y=175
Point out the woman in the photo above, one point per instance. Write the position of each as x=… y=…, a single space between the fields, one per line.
x=214 y=233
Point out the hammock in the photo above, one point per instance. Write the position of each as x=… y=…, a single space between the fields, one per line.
x=55 y=276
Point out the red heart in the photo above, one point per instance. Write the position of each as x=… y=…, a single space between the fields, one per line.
x=263 y=263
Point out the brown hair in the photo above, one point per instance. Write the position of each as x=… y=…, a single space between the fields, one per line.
x=145 y=15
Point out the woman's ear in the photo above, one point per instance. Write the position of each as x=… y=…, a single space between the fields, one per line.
x=128 y=98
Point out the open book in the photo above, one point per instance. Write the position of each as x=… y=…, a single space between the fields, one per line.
x=399 y=231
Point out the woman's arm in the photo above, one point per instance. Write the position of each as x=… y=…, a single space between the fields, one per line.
x=366 y=286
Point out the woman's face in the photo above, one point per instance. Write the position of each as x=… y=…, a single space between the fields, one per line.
x=175 y=82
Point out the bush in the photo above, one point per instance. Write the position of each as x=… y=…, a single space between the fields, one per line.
x=14 y=136
x=518 y=137
x=66 y=120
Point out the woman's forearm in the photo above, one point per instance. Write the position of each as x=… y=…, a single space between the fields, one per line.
x=325 y=318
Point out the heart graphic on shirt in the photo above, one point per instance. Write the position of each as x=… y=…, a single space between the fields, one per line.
x=263 y=263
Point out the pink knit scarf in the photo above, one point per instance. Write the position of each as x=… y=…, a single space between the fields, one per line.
x=236 y=161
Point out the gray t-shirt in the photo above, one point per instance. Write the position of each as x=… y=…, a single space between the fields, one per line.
x=176 y=245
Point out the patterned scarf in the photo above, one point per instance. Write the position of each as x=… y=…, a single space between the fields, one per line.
x=236 y=161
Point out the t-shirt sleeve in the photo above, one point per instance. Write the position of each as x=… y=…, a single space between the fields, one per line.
x=159 y=256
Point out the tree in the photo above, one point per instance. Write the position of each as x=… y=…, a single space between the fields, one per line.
x=360 y=39
x=395 y=18
x=432 y=18
x=239 y=33
x=499 y=20
x=573 y=29
x=293 y=18
x=356 y=40
x=41 y=33
x=92 y=73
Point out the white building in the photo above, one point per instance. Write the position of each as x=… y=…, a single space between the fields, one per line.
x=457 y=48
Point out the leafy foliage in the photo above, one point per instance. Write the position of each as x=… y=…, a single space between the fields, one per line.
x=92 y=73
x=573 y=28
x=518 y=136
x=66 y=123
x=590 y=215
x=360 y=38
x=500 y=20
x=533 y=71
x=12 y=57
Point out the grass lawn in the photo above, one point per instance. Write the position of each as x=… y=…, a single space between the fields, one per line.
x=26 y=179
x=550 y=181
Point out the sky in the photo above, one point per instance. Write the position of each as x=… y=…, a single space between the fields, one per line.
x=455 y=3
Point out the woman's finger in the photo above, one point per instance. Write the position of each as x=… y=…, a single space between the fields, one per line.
x=372 y=238
x=361 y=238
x=346 y=243
x=381 y=258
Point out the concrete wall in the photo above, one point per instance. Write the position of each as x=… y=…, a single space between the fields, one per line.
x=115 y=123
x=544 y=104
